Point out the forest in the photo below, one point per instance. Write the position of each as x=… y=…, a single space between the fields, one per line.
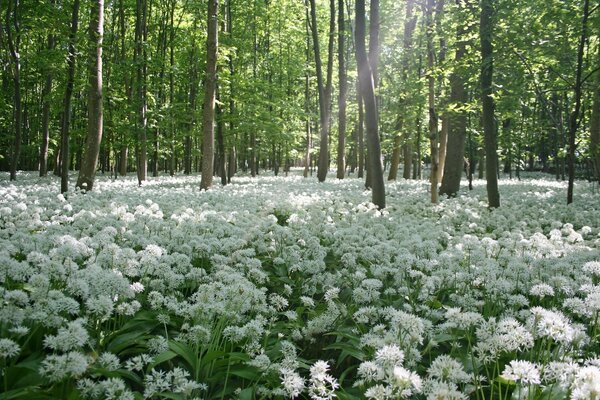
x=256 y=199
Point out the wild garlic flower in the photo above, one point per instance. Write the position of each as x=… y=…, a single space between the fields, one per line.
x=446 y=368
x=322 y=386
x=523 y=372
x=292 y=382
x=8 y=348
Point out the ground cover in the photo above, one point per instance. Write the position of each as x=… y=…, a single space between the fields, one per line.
x=278 y=287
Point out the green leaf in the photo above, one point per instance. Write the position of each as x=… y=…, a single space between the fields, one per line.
x=187 y=353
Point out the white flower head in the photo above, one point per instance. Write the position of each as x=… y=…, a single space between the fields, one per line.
x=522 y=371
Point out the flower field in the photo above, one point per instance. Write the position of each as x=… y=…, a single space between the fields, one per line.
x=278 y=287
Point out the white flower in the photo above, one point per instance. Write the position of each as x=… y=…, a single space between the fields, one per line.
x=592 y=268
x=445 y=368
x=522 y=371
x=292 y=383
x=8 y=348
x=586 y=384
x=541 y=290
x=59 y=367
x=389 y=356
x=407 y=381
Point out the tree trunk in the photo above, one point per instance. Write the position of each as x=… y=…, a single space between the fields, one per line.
x=66 y=116
x=323 y=89
x=87 y=173
x=341 y=165
x=457 y=122
x=367 y=90
x=361 y=135
x=575 y=114
x=595 y=125
x=487 y=60
x=46 y=91
x=221 y=163
x=208 y=113
x=433 y=119
x=12 y=22
x=409 y=27
x=140 y=57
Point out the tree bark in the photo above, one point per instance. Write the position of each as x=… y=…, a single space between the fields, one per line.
x=367 y=89
x=409 y=27
x=87 y=173
x=12 y=22
x=595 y=125
x=341 y=165
x=324 y=89
x=140 y=56
x=457 y=121
x=487 y=62
x=575 y=114
x=66 y=116
x=433 y=119
x=46 y=92
x=208 y=117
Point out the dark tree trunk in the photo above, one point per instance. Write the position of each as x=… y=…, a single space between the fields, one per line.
x=208 y=113
x=457 y=122
x=433 y=119
x=367 y=90
x=14 y=41
x=409 y=27
x=491 y=159
x=140 y=56
x=575 y=114
x=87 y=173
x=46 y=91
x=361 y=135
x=595 y=125
x=341 y=165
x=66 y=115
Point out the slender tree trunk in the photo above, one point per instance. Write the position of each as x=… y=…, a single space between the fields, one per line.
x=221 y=160
x=12 y=23
x=409 y=27
x=491 y=159
x=140 y=56
x=433 y=119
x=595 y=125
x=457 y=122
x=66 y=115
x=46 y=91
x=324 y=90
x=361 y=135
x=574 y=118
x=308 y=147
x=367 y=89
x=208 y=117
x=341 y=165
x=87 y=173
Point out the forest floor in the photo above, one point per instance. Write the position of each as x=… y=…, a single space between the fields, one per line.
x=283 y=287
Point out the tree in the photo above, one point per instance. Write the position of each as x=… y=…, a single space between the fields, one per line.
x=66 y=115
x=409 y=27
x=14 y=44
x=487 y=61
x=141 y=33
x=210 y=84
x=46 y=92
x=574 y=117
x=433 y=119
x=367 y=89
x=457 y=119
x=595 y=124
x=343 y=91
x=87 y=171
x=324 y=89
